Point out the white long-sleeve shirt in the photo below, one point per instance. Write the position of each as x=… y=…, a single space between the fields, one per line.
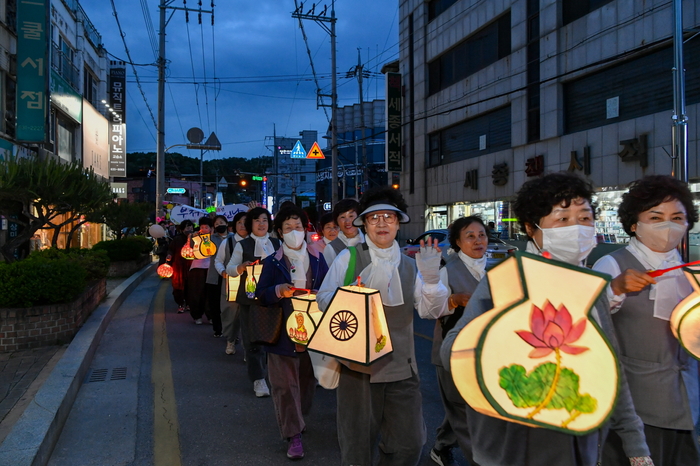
x=329 y=253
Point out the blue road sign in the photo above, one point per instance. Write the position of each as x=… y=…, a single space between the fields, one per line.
x=298 y=152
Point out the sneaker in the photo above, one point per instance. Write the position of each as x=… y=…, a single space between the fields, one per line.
x=295 y=450
x=261 y=390
x=198 y=322
x=217 y=335
x=443 y=457
x=181 y=309
x=230 y=347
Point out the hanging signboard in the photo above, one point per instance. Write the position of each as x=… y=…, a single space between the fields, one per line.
x=117 y=120
x=393 y=122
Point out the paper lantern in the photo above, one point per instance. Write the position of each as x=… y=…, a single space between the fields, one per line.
x=156 y=231
x=251 y=280
x=203 y=246
x=353 y=327
x=537 y=358
x=232 y=284
x=685 y=319
x=187 y=252
x=301 y=324
x=165 y=271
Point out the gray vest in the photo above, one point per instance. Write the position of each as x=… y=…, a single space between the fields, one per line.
x=213 y=276
x=662 y=377
x=401 y=363
x=337 y=245
x=461 y=281
x=248 y=247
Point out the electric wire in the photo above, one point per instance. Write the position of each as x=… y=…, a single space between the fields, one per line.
x=145 y=124
x=194 y=79
x=204 y=70
x=311 y=61
x=213 y=59
x=150 y=30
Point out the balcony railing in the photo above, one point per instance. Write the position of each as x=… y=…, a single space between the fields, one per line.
x=64 y=66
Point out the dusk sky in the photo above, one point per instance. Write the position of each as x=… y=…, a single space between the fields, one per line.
x=257 y=54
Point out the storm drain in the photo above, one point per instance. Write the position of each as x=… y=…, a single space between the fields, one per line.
x=100 y=375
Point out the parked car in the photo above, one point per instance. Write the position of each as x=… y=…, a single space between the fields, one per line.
x=496 y=251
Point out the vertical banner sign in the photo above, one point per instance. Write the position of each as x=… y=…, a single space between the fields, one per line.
x=32 y=66
x=117 y=120
x=393 y=122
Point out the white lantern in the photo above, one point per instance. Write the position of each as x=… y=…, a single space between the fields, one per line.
x=251 y=281
x=156 y=231
x=302 y=323
x=232 y=284
x=538 y=358
x=353 y=327
x=685 y=320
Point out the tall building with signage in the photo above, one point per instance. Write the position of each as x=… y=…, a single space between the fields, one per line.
x=497 y=92
x=293 y=174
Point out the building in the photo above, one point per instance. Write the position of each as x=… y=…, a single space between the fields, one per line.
x=500 y=91
x=357 y=154
x=292 y=178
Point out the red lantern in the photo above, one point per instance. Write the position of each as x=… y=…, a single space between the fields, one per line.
x=165 y=271
x=187 y=252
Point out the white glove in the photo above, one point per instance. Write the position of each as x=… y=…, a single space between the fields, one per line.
x=428 y=262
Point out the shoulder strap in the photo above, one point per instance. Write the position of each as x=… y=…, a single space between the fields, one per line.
x=230 y=245
x=350 y=273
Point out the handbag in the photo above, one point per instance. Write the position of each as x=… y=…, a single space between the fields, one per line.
x=265 y=324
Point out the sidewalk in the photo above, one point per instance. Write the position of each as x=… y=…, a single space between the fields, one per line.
x=23 y=374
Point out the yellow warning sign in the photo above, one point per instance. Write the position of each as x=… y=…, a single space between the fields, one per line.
x=315 y=152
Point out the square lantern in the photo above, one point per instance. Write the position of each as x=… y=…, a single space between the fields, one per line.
x=685 y=320
x=353 y=327
x=301 y=324
x=232 y=284
x=251 y=280
x=537 y=357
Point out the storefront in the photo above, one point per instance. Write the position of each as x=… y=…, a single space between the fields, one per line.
x=498 y=212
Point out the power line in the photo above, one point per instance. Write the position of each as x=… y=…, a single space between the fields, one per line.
x=194 y=79
x=149 y=28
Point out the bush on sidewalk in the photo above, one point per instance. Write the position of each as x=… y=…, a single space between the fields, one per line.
x=95 y=262
x=127 y=249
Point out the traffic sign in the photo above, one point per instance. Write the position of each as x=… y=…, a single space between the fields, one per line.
x=175 y=191
x=326 y=206
x=315 y=152
x=298 y=152
x=257 y=178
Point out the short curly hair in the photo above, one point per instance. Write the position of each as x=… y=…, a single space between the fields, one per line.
x=536 y=198
x=459 y=225
x=287 y=212
x=382 y=195
x=651 y=191
x=254 y=213
x=345 y=205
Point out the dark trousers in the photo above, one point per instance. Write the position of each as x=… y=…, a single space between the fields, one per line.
x=196 y=292
x=389 y=413
x=179 y=296
x=230 y=319
x=214 y=305
x=293 y=386
x=454 y=429
x=668 y=447
x=256 y=358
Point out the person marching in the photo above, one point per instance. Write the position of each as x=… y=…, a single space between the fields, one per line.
x=344 y=214
x=381 y=404
x=294 y=265
x=556 y=213
x=197 y=280
x=181 y=266
x=257 y=246
x=214 y=280
x=656 y=212
x=329 y=231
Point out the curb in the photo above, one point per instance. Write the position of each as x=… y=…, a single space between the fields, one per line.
x=34 y=436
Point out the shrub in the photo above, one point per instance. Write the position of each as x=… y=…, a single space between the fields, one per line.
x=145 y=243
x=95 y=262
x=121 y=250
x=40 y=281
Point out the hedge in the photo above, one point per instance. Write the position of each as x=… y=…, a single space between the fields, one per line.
x=94 y=261
x=126 y=249
x=39 y=281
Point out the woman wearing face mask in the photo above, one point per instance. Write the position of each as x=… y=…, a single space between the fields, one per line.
x=381 y=404
x=214 y=280
x=344 y=214
x=468 y=239
x=257 y=246
x=230 y=316
x=663 y=378
x=559 y=201
x=289 y=367
x=180 y=265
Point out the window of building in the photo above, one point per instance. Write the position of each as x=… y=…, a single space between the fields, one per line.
x=487 y=133
x=484 y=47
x=65 y=143
x=90 y=87
x=438 y=7
x=10 y=103
x=573 y=10
x=302 y=178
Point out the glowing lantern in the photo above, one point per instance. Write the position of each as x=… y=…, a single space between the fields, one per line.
x=232 y=284
x=685 y=320
x=203 y=246
x=187 y=252
x=251 y=280
x=165 y=271
x=353 y=327
x=536 y=358
x=301 y=324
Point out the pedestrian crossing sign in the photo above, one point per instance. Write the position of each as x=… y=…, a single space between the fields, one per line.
x=315 y=152
x=298 y=152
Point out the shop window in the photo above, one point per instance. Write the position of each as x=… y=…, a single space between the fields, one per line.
x=573 y=10
x=643 y=87
x=438 y=7
x=487 y=133
x=481 y=49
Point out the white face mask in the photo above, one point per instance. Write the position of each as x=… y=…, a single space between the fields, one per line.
x=662 y=236
x=569 y=244
x=293 y=239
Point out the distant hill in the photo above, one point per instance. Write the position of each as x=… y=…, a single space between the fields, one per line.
x=138 y=164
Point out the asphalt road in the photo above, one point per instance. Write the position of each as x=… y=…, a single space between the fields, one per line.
x=161 y=391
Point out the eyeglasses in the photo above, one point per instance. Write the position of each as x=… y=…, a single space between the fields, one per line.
x=374 y=218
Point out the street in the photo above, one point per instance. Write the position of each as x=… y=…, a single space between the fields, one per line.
x=183 y=401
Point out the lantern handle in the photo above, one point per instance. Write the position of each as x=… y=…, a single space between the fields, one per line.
x=359 y=281
x=306 y=290
x=659 y=272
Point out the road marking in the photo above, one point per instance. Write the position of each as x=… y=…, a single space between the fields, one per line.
x=166 y=441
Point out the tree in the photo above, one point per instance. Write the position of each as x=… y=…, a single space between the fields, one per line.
x=38 y=192
x=126 y=215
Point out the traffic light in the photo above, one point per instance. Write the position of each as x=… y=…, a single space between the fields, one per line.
x=395 y=180
x=243 y=183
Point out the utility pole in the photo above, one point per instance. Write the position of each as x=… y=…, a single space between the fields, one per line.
x=321 y=19
x=360 y=75
x=680 y=119
x=160 y=139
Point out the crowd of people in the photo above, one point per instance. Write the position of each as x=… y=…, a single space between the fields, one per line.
x=379 y=408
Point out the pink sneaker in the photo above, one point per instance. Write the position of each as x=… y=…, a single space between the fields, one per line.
x=295 y=450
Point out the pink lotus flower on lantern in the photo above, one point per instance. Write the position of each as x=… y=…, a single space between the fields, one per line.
x=553 y=330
